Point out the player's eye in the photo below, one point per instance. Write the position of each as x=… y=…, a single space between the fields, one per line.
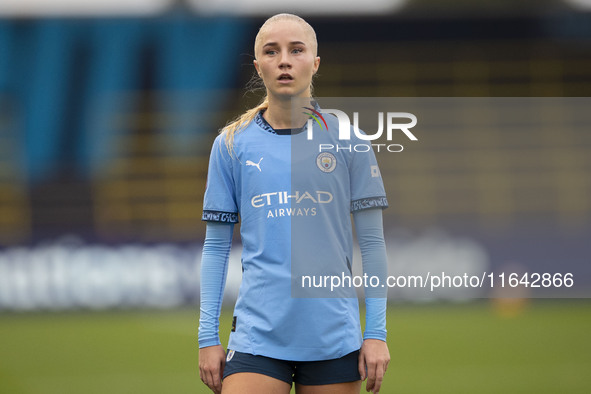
x=270 y=52
x=297 y=50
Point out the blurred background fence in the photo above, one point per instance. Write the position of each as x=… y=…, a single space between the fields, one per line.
x=107 y=117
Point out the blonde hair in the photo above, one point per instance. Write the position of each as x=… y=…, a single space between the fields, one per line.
x=242 y=121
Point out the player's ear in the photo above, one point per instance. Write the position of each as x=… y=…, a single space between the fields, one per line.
x=316 y=64
x=256 y=66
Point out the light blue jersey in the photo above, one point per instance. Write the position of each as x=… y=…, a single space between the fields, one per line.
x=294 y=204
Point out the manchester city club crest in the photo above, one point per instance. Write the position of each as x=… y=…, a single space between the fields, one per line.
x=327 y=162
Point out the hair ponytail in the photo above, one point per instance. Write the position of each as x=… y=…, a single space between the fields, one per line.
x=241 y=122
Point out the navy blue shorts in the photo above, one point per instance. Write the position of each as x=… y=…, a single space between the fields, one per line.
x=338 y=370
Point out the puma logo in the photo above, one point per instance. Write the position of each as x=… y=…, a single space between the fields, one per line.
x=252 y=163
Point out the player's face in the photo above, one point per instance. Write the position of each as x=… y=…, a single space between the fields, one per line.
x=286 y=59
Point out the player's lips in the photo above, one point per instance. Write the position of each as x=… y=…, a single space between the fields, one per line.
x=285 y=78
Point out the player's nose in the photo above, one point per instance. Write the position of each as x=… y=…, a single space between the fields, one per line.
x=284 y=61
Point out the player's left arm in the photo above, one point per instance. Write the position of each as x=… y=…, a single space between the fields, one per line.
x=374 y=355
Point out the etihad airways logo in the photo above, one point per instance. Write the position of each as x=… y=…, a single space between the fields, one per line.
x=274 y=200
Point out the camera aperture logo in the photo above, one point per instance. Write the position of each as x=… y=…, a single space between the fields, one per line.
x=395 y=121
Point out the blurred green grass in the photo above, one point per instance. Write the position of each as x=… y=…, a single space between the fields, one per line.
x=541 y=347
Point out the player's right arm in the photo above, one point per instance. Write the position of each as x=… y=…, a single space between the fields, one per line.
x=214 y=269
x=220 y=211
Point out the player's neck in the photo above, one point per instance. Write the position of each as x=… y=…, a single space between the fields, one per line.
x=279 y=114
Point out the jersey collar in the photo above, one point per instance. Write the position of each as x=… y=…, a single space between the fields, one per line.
x=263 y=124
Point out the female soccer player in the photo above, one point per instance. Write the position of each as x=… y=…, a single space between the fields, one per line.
x=295 y=212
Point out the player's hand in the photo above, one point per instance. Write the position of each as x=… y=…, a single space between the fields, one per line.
x=212 y=360
x=374 y=358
